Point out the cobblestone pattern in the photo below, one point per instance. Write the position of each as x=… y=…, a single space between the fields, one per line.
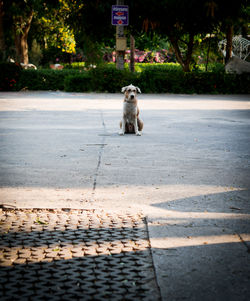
x=74 y=255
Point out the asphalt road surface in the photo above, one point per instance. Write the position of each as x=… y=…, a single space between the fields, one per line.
x=189 y=174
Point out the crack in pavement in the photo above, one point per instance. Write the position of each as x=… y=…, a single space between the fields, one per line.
x=244 y=242
x=102 y=145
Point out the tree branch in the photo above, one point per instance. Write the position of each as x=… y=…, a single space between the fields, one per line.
x=177 y=51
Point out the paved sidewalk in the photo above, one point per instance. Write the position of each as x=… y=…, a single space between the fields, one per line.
x=186 y=179
x=75 y=255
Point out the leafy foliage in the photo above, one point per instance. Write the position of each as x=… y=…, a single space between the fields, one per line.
x=58 y=35
x=110 y=79
x=65 y=25
x=43 y=79
x=78 y=82
x=185 y=22
x=150 y=80
x=9 y=76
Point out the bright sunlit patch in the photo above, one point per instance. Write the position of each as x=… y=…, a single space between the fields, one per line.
x=189 y=241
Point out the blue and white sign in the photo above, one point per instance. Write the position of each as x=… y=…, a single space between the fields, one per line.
x=120 y=15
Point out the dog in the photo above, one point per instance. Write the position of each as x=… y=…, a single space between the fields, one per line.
x=131 y=123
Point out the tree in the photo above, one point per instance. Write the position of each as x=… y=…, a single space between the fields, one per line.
x=54 y=28
x=183 y=21
x=93 y=28
x=21 y=29
x=21 y=14
x=180 y=20
x=65 y=23
x=51 y=18
x=2 y=39
x=230 y=15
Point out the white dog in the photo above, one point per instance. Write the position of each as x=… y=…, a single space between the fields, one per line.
x=131 y=122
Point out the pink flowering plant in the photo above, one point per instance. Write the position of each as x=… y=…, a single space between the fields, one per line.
x=141 y=56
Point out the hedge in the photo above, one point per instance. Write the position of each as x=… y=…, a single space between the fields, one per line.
x=78 y=83
x=150 y=80
x=110 y=79
x=43 y=79
x=9 y=76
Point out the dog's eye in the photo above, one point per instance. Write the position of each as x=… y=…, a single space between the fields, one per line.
x=129 y=90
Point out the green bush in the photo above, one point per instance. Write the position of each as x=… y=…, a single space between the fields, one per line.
x=158 y=67
x=43 y=79
x=101 y=79
x=78 y=83
x=9 y=76
x=54 y=55
x=150 y=80
x=194 y=82
x=75 y=65
x=109 y=79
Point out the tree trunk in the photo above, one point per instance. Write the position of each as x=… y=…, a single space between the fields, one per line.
x=184 y=62
x=21 y=38
x=2 y=40
x=24 y=48
x=229 y=46
x=186 y=67
x=18 y=46
x=177 y=51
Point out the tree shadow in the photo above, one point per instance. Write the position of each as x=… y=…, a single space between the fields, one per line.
x=225 y=202
x=201 y=247
x=79 y=262
x=220 y=214
x=204 y=272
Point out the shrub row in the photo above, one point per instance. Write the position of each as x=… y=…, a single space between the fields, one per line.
x=150 y=80
x=9 y=76
x=43 y=79
x=194 y=82
x=70 y=80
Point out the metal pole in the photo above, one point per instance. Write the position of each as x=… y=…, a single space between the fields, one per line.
x=119 y=34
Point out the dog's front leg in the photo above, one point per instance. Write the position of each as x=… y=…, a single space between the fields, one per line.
x=136 y=127
x=123 y=123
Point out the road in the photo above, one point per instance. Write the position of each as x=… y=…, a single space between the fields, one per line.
x=189 y=174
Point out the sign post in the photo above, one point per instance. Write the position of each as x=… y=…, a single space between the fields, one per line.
x=120 y=19
x=120 y=15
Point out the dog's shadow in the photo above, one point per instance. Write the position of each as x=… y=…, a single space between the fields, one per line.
x=115 y=134
x=109 y=134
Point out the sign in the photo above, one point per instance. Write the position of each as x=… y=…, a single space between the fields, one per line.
x=121 y=44
x=120 y=15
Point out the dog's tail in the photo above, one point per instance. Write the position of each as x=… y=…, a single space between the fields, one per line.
x=140 y=124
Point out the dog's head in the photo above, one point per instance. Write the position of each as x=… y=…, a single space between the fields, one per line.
x=130 y=92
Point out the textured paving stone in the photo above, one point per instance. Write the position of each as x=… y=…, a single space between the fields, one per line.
x=74 y=255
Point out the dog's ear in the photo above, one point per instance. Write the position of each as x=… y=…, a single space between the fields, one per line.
x=138 y=89
x=124 y=89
